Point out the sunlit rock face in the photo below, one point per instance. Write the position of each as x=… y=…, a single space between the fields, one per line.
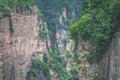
x=86 y=70
x=18 y=48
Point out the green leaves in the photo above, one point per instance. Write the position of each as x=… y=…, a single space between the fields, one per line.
x=6 y=5
x=99 y=27
x=74 y=73
x=36 y=69
x=81 y=28
x=58 y=63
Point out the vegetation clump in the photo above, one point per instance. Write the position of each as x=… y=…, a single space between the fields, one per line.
x=58 y=63
x=37 y=69
x=74 y=73
x=99 y=20
x=7 y=5
x=50 y=12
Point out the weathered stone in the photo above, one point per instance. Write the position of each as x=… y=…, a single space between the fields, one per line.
x=17 y=48
x=0 y=57
x=0 y=54
x=1 y=63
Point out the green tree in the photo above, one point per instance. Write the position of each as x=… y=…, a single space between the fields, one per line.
x=98 y=23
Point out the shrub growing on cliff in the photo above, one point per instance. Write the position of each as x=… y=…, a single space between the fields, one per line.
x=98 y=21
x=37 y=68
x=74 y=73
x=50 y=12
x=58 y=63
x=11 y=29
x=7 y=5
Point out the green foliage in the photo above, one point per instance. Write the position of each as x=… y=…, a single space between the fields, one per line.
x=68 y=55
x=36 y=68
x=58 y=63
x=50 y=12
x=98 y=78
x=76 y=57
x=82 y=30
x=11 y=29
x=95 y=78
x=31 y=74
x=25 y=3
x=54 y=61
x=45 y=68
x=74 y=73
x=42 y=34
x=7 y=5
x=65 y=77
x=99 y=20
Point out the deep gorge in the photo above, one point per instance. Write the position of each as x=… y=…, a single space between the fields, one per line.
x=59 y=40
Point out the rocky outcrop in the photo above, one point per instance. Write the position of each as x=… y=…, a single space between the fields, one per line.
x=107 y=68
x=23 y=44
x=19 y=47
x=86 y=70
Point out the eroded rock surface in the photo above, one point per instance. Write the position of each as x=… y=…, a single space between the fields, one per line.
x=19 y=47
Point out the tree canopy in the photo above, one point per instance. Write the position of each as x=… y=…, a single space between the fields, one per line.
x=98 y=23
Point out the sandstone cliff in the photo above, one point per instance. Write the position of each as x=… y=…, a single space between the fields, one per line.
x=18 y=47
x=108 y=66
x=22 y=45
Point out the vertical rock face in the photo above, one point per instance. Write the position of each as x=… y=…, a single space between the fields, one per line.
x=24 y=43
x=19 y=47
x=110 y=68
x=3 y=41
x=1 y=72
x=4 y=48
x=114 y=59
x=86 y=71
